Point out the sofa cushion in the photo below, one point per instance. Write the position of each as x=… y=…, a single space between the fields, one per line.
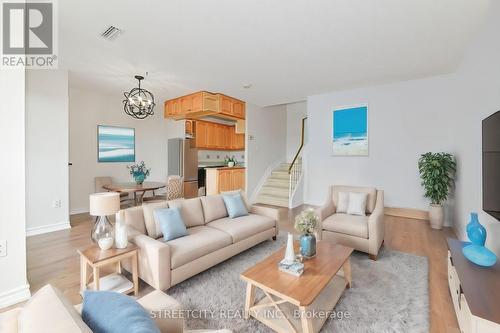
x=191 y=211
x=171 y=223
x=8 y=321
x=243 y=196
x=112 y=312
x=152 y=226
x=243 y=227
x=49 y=311
x=357 y=203
x=213 y=207
x=353 y=225
x=200 y=241
x=234 y=205
x=134 y=217
x=371 y=191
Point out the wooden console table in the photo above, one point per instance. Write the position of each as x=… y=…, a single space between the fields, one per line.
x=475 y=291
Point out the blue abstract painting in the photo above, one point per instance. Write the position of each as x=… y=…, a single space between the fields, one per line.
x=115 y=144
x=350 y=131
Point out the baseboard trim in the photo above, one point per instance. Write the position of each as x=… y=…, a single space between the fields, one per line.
x=47 y=228
x=410 y=213
x=15 y=296
x=78 y=211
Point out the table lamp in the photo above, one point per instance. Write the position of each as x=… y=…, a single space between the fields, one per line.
x=101 y=206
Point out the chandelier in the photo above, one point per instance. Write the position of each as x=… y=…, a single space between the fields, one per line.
x=139 y=103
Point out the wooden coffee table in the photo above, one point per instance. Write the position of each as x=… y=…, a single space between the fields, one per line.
x=290 y=302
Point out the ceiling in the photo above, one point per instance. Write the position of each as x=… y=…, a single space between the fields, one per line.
x=286 y=49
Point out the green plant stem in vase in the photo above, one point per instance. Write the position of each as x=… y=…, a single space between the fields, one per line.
x=139 y=171
x=437 y=172
x=306 y=223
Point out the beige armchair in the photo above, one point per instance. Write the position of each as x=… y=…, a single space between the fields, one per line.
x=363 y=233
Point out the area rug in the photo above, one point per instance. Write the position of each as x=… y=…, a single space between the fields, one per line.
x=387 y=295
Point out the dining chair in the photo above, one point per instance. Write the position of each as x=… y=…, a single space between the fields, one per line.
x=174 y=190
x=99 y=182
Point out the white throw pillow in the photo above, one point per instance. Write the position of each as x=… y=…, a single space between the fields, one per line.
x=357 y=203
x=342 y=202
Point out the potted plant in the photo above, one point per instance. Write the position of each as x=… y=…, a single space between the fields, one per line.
x=305 y=223
x=230 y=162
x=437 y=171
x=139 y=172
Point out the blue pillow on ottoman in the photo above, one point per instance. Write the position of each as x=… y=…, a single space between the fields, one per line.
x=234 y=205
x=171 y=223
x=111 y=312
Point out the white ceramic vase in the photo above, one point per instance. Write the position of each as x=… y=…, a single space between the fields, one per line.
x=289 y=253
x=436 y=216
x=121 y=236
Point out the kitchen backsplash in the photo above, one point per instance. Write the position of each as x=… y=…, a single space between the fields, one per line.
x=219 y=156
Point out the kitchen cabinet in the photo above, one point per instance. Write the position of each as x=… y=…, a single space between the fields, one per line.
x=191 y=106
x=215 y=136
x=204 y=103
x=224 y=179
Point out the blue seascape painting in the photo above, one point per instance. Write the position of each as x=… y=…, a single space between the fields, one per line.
x=350 y=131
x=116 y=144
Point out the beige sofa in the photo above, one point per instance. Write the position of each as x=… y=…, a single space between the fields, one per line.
x=49 y=311
x=363 y=233
x=213 y=237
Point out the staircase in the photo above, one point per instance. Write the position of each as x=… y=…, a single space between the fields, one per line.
x=276 y=189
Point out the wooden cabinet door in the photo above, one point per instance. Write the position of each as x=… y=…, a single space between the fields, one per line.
x=226 y=105
x=240 y=141
x=226 y=140
x=225 y=180
x=211 y=135
x=186 y=104
x=197 y=102
x=238 y=108
x=238 y=179
x=220 y=136
x=201 y=134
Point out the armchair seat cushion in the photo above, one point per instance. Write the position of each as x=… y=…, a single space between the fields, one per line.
x=200 y=241
x=353 y=225
x=244 y=226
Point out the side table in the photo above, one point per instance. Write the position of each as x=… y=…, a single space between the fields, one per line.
x=95 y=258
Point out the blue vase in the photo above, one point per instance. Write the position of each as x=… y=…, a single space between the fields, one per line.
x=308 y=245
x=476 y=252
x=475 y=231
x=139 y=177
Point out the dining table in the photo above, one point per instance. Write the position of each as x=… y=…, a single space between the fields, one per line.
x=137 y=189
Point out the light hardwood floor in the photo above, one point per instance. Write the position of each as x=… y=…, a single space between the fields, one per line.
x=52 y=258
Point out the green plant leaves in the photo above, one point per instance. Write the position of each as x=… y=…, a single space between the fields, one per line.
x=437 y=172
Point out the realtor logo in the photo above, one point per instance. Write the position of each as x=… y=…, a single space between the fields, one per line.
x=28 y=34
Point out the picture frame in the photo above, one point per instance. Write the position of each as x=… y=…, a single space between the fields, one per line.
x=115 y=144
x=350 y=134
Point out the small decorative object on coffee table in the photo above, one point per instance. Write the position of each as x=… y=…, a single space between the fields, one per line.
x=95 y=258
x=102 y=205
x=139 y=172
x=477 y=252
x=306 y=222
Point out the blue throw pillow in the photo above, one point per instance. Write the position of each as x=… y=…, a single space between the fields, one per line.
x=111 y=312
x=234 y=205
x=171 y=223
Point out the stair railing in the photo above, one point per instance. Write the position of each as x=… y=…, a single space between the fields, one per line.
x=295 y=169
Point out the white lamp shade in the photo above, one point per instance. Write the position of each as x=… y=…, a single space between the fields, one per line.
x=103 y=204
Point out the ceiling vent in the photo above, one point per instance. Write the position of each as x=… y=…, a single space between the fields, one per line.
x=111 y=33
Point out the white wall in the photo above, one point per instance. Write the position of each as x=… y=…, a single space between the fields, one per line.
x=409 y=118
x=89 y=109
x=13 y=282
x=46 y=151
x=266 y=141
x=295 y=112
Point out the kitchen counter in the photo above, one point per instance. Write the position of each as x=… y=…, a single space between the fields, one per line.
x=225 y=167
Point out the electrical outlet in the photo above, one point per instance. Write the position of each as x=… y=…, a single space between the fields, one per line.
x=3 y=248
x=56 y=203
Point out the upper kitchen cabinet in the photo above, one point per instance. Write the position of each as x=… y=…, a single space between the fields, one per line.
x=215 y=136
x=202 y=104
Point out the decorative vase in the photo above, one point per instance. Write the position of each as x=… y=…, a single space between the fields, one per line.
x=121 y=236
x=475 y=231
x=308 y=245
x=289 y=253
x=476 y=252
x=103 y=233
x=436 y=216
x=139 y=177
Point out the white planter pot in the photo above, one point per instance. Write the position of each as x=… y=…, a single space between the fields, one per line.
x=436 y=216
x=230 y=164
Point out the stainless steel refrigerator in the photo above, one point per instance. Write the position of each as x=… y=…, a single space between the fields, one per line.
x=183 y=161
